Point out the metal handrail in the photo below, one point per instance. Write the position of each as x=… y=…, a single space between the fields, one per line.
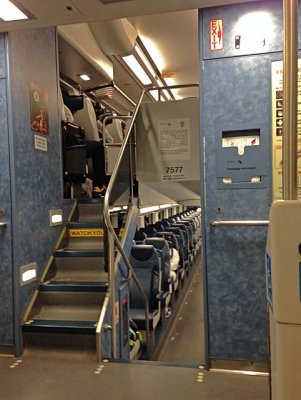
x=240 y=223
x=113 y=238
x=100 y=324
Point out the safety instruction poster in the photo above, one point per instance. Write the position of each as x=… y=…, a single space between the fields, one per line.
x=277 y=127
x=174 y=147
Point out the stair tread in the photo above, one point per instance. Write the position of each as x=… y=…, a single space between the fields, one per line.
x=74 y=286
x=98 y=200
x=85 y=224
x=71 y=252
x=56 y=324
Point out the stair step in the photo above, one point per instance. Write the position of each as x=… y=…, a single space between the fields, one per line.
x=68 y=286
x=78 y=253
x=84 y=225
x=44 y=325
x=98 y=200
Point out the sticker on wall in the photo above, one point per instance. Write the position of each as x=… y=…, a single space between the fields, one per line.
x=80 y=233
x=40 y=143
x=174 y=172
x=277 y=127
x=39 y=121
x=216 y=34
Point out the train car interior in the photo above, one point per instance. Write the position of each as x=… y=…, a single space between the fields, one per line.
x=141 y=152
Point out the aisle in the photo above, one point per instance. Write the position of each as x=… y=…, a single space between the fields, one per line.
x=185 y=342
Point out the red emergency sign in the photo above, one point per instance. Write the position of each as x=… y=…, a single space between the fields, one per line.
x=216 y=34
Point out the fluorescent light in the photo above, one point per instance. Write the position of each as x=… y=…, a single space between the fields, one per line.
x=154 y=94
x=85 y=77
x=145 y=61
x=133 y=64
x=9 y=12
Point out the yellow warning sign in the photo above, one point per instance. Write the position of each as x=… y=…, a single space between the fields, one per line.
x=80 y=233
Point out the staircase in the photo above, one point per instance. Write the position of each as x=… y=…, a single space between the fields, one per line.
x=68 y=303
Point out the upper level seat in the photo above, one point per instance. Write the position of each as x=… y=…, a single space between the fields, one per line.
x=86 y=118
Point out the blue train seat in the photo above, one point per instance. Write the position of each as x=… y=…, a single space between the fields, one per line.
x=146 y=264
x=161 y=245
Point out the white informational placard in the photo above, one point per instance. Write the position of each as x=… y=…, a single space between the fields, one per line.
x=40 y=143
x=174 y=139
x=277 y=127
x=241 y=142
x=168 y=141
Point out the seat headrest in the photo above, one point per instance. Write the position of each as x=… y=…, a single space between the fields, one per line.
x=170 y=237
x=86 y=118
x=143 y=252
x=157 y=242
x=73 y=102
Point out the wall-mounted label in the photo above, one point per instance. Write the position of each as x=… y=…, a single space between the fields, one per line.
x=277 y=127
x=39 y=109
x=216 y=34
x=80 y=233
x=174 y=173
x=174 y=139
x=40 y=143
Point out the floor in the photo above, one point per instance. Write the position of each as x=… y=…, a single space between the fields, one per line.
x=185 y=340
x=176 y=375
x=32 y=378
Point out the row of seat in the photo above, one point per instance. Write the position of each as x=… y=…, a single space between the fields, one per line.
x=162 y=257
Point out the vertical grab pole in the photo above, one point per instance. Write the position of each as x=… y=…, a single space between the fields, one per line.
x=111 y=262
x=290 y=81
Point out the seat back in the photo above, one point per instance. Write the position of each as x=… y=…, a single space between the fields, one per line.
x=159 y=226
x=180 y=238
x=150 y=230
x=74 y=148
x=86 y=118
x=140 y=236
x=146 y=264
x=115 y=130
x=186 y=233
x=161 y=245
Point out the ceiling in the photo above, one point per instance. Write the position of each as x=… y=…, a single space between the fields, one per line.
x=171 y=26
x=61 y=12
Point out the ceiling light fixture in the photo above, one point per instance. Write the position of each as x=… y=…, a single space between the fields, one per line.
x=142 y=65
x=137 y=69
x=85 y=77
x=10 y=12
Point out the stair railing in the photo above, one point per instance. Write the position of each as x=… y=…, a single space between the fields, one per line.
x=113 y=238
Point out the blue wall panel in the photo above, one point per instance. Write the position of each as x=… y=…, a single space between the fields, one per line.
x=236 y=22
x=236 y=92
x=3 y=69
x=37 y=175
x=6 y=274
